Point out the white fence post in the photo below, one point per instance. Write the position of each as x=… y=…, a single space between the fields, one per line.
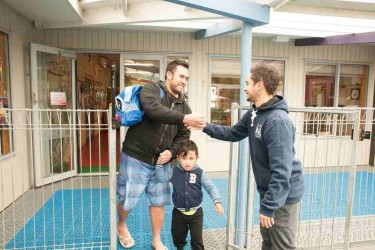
x=112 y=180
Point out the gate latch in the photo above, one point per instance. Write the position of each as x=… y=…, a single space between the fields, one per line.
x=363 y=135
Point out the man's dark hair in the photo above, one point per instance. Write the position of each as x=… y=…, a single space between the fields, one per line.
x=268 y=75
x=171 y=67
x=186 y=146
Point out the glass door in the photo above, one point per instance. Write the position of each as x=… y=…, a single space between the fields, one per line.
x=139 y=69
x=53 y=80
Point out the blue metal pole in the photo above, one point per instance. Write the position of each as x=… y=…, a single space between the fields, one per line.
x=246 y=44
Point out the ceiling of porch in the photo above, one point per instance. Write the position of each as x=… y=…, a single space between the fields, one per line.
x=289 y=18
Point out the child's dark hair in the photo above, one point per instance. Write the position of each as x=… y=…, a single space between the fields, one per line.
x=186 y=146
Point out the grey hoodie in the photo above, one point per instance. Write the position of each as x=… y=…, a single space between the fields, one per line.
x=278 y=174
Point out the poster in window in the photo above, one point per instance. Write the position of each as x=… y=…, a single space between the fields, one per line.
x=58 y=98
x=1 y=69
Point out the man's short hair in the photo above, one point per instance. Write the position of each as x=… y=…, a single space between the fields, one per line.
x=171 y=67
x=186 y=146
x=268 y=74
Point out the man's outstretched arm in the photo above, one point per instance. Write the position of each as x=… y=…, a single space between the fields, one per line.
x=236 y=133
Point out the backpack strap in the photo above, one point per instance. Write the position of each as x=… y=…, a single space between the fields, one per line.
x=161 y=92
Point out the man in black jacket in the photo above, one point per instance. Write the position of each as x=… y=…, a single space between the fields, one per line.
x=154 y=141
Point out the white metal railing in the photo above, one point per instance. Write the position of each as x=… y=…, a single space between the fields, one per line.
x=54 y=189
x=338 y=206
x=73 y=203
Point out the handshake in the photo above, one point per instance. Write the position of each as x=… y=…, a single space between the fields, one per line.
x=194 y=121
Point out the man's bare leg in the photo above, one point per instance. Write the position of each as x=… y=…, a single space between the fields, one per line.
x=157 y=219
x=121 y=225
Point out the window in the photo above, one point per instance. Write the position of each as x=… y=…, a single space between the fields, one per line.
x=225 y=85
x=5 y=133
x=353 y=85
x=323 y=89
x=141 y=71
x=320 y=85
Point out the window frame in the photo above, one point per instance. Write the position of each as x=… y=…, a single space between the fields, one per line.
x=9 y=94
x=234 y=57
x=338 y=64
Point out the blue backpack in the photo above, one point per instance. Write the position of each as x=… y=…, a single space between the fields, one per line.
x=128 y=107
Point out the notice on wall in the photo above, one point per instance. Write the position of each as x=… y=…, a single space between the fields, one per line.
x=58 y=98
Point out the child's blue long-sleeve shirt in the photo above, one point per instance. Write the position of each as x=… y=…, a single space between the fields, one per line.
x=187 y=186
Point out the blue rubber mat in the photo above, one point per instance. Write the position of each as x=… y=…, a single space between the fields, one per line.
x=66 y=222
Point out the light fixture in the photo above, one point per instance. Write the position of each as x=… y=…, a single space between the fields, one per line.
x=280 y=39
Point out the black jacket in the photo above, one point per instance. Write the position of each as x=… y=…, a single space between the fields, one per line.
x=161 y=127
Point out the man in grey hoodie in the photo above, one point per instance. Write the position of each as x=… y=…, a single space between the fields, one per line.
x=278 y=174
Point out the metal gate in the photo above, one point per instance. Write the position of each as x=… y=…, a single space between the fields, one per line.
x=71 y=212
x=337 y=209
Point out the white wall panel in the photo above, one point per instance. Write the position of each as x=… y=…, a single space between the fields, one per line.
x=16 y=170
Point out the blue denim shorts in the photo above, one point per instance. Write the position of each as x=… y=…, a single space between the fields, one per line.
x=136 y=177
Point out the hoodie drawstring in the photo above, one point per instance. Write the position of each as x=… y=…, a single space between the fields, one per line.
x=253 y=115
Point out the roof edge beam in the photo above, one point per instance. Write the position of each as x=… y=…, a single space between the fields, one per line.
x=246 y=11
x=124 y=6
x=359 y=38
x=275 y=4
x=225 y=27
x=77 y=7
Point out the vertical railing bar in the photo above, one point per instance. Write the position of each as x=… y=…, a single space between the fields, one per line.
x=50 y=113
x=337 y=172
x=357 y=207
x=231 y=184
x=29 y=129
x=329 y=123
x=335 y=125
x=304 y=134
x=100 y=178
x=250 y=204
x=363 y=122
x=343 y=134
x=42 y=161
x=81 y=180
x=312 y=178
x=91 y=195
x=112 y=178
x=72 y=128
x=13 y=200
x=351 y=182
x=13 y=117
x=60 y=113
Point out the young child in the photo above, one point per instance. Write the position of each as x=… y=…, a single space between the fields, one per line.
x=187 y=180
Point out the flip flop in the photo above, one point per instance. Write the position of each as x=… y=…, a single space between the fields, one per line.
x=126 y=242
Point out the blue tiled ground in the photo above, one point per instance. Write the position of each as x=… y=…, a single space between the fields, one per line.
x=64 y=220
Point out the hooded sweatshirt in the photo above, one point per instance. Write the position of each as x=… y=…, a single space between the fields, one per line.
x=278 y=174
